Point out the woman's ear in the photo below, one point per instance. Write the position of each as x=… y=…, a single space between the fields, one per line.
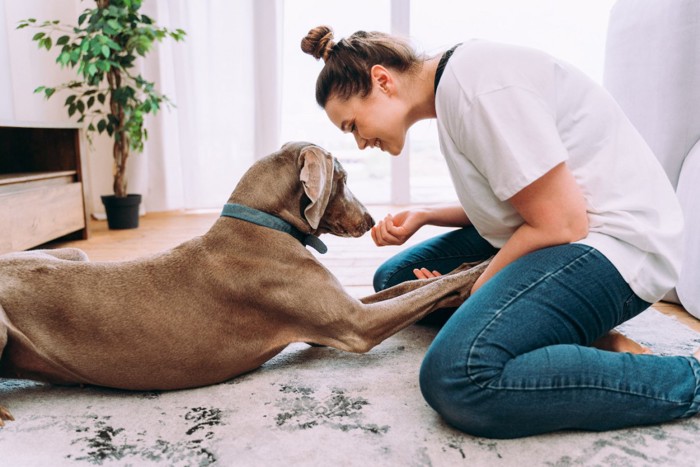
x=382 y=77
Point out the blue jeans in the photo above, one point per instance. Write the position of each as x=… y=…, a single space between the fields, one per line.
x=513 y=360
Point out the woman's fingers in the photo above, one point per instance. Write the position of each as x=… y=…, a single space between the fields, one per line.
x=385 y=228
x=424 y=273
x=383 y=233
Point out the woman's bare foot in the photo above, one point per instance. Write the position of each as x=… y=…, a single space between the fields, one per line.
x=615 y=341
x=4 y=415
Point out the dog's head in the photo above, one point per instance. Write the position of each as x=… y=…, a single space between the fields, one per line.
x=328 y=205
x=306 y=186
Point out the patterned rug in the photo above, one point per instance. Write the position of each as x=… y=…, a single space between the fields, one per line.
x=316 y=406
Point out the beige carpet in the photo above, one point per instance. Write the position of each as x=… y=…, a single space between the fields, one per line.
x=315 y=406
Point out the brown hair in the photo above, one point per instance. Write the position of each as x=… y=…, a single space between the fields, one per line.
x=349 y=61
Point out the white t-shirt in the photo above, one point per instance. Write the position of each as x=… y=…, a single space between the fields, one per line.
x=507 y=115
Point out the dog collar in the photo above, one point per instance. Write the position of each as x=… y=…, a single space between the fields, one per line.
x=254 y=216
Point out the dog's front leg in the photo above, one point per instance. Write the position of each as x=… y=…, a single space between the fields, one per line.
x=404 y=287
x=382 y=315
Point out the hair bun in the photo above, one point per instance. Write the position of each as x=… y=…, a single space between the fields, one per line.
x=319 y=42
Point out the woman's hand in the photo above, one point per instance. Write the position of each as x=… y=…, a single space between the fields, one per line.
x=424 y=273
x=396 y=229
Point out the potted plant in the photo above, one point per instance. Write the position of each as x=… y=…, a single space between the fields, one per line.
x=108 y=95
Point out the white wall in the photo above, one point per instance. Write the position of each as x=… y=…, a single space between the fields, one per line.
x=6 y=102
x=27 y=66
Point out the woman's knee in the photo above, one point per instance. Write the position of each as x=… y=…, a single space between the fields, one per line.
x=382 y=276
x=443 y=383
x=392 y=272
x=463 y=401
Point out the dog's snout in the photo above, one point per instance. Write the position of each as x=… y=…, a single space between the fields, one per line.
x=369 y=222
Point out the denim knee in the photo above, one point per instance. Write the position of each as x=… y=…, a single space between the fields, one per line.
x=392 y=272
x=461 y=401
x=382 y=276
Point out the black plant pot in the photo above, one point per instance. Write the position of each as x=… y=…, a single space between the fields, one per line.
x=122 y=213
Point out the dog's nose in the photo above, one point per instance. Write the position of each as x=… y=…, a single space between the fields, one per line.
x=369 y=221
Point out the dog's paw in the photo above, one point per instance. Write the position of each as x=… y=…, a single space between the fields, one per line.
x=5 y=415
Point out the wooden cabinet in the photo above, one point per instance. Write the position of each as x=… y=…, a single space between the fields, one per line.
x=41 y=185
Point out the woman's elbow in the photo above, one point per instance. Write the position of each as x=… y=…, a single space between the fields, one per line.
x=575 y=229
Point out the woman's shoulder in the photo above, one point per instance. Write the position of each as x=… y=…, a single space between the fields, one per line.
x=480 y=67
x=490 y=56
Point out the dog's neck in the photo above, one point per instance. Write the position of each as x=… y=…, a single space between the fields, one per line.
x=255 y=216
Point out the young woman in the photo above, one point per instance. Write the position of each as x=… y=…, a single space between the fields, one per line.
x=554 y=183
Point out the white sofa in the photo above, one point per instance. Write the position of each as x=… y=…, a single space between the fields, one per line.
x=652 y=68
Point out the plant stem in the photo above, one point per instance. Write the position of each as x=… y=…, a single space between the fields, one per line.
x=121 y=143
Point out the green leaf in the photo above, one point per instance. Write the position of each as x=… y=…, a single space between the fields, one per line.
x=114 y=24
x=39 y=89
x=112 y=45
x=101 y=98
x=90 y=101
x=101 y=126
x=70 y=99
x=105 y=51
x=63 y=40
x=49 y=92
x=81 y=18
x=38 y=36
x=48 y=43
x=92 y=69
x=63 y=58
x=71 y=110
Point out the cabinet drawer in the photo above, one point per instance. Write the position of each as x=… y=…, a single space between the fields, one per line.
x=31 y=217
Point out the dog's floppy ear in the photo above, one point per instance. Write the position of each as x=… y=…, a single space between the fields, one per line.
x=317 y=177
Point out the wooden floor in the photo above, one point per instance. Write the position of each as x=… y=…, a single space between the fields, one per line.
x=353 y=261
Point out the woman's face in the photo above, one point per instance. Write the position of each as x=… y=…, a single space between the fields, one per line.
x=377 y=120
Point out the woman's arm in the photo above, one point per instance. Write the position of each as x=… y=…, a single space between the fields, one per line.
x=396 y=229
x=554 y=210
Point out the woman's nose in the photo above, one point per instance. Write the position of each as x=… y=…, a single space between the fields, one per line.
x=361 y=142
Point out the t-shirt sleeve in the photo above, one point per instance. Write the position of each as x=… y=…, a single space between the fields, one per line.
x=511 y=137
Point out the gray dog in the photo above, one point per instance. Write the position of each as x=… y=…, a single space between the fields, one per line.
x=216 y=306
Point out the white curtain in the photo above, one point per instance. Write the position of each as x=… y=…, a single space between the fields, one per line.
x=223 y=80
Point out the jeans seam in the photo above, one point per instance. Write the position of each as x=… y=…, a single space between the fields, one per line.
x=506 y=305
x=691 y=411
x=695 y=404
